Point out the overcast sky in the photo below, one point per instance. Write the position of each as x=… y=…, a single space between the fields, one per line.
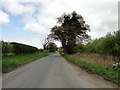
x=29 y=21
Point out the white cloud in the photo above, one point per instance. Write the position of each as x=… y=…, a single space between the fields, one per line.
x=35 y=27
x=40 y=15
x=4 y=18
x=101 y=16
x=18 y=8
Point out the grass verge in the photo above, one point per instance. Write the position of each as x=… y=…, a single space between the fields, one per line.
x=106 y=72
x=10 y=63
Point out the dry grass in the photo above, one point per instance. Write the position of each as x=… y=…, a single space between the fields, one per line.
x=99 y=59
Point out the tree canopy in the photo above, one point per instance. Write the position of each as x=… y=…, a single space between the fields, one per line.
x=52 y=47
x=70 y=29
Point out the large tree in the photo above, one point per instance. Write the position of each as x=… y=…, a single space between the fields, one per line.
x=71 y=28
x=46 y=41
x=52 y=47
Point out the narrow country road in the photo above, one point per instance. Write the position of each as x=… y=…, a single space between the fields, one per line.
x=53 y=72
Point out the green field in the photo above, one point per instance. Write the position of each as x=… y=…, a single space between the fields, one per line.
x=10 y=63
x=106 y=72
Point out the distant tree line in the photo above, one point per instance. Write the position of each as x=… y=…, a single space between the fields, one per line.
x=16 y=48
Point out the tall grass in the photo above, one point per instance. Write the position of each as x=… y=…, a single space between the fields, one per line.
x=10 y=63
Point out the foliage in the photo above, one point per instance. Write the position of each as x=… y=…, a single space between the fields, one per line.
x=52 y=47
x=45 y=42
x=17 y=48
x=116 y=66
x=41 y=50
x=72 y=28
x=79 y=48
x=108 y=45
x=61 y=51
x=5 y=48
x=22 y=48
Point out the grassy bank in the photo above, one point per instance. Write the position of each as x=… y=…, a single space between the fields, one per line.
x=106 y=72
x=10 y=63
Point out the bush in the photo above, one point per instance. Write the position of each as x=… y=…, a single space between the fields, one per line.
x=108 y=45
x=41 y=50
x=61 y=51
x=22 y=48
x=16 y=48
x=52 y=47
x=79 y=48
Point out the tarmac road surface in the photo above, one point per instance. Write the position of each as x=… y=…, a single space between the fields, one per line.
x=53 y=72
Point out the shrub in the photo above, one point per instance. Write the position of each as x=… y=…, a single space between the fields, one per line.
x=108 y=45
x=79 y=48
x=17 y=48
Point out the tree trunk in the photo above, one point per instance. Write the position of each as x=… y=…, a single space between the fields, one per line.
x=64 y=46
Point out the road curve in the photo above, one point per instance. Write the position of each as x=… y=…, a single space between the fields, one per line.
x=53 y=72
